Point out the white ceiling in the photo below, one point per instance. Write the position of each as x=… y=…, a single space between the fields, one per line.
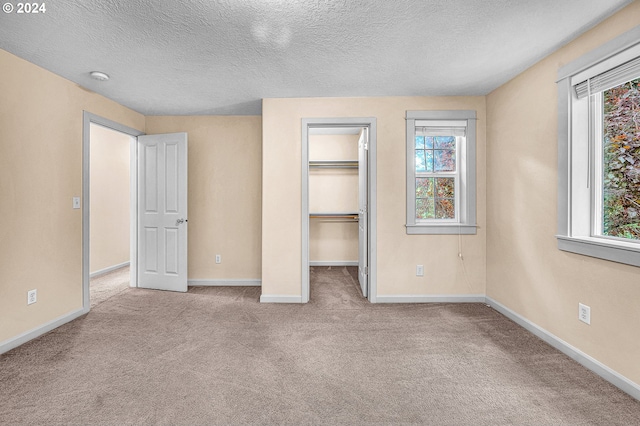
x=223 y=56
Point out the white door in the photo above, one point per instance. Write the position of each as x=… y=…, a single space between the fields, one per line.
x=363 y=147
x=162 y=212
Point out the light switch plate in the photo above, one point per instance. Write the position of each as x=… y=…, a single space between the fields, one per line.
x=76 y=202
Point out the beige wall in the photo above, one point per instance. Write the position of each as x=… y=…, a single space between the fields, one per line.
x=398 y=253
x=110 y=198
x=525 y=270
x=224 y=192
x=40 y=173
x=333 y=191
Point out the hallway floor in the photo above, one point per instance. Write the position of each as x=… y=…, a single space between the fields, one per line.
x=108 y=285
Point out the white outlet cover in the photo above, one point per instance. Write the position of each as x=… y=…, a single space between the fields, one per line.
x=420 y=270
x=32 y=296
x=584 y=313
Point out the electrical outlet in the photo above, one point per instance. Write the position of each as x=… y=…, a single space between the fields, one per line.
x=584 y=313
x=32 y=296
x=218 y=258
x=419 y=271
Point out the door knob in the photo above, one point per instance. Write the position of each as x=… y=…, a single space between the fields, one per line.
x=179 y=221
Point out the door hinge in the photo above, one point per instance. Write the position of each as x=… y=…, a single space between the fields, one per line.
x=366 y=270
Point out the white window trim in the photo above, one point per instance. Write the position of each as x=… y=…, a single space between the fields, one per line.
x=574 y=226
x=465 y=223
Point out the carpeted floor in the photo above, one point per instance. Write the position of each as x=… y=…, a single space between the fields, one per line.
x=108 y=285
x=218 y=356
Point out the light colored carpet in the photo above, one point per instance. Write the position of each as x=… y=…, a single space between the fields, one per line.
x=108 y=285
x=218 y=356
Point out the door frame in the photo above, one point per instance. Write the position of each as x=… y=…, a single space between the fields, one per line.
x=369 y=122
x=87 y=119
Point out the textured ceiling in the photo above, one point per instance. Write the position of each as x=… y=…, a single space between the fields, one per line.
x=223 y=56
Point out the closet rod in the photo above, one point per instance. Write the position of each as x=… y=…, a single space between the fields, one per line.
x=333 y=164
x=352 y=216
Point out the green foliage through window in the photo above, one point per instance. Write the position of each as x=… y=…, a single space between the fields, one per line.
x=435 y=198
x=621 y=161
x=435 y=194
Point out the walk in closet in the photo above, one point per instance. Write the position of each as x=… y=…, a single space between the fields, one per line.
x=333 y=196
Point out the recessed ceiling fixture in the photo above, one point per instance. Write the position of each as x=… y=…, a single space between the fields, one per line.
x=97 y=75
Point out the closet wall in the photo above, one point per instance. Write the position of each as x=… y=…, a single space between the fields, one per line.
x=333 y=241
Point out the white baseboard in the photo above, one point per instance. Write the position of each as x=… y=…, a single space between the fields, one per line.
x=582 y=358
x=431 y=298
x=224 y=283
x=333 y=263
x=107 y=270
x=275 y=298
x=23 y=338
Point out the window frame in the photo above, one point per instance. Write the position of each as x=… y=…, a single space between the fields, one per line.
x=578 y=158
x=465 y=196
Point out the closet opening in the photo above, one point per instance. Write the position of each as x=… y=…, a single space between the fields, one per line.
x=338 y=205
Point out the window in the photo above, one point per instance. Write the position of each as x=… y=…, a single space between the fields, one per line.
x=441 y=172
x=617 y=187
x=599 y=152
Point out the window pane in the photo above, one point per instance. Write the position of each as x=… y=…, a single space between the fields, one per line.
x=424 y=161
x=621 y=161
x=445 y=208
x=445 y=160
x=425 y=208
x=419 y=142
x=445 y=142
x=429 y=159
x=420 y=161
x=445 y=187
x=424 y=188
x=428 y=140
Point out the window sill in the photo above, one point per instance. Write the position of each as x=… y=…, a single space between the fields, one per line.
x=441 y=229
x=616 y=252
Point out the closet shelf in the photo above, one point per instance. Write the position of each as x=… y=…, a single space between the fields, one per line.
x=349 y=216
x=334 y=164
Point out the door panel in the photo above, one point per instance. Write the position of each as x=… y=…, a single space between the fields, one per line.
x=363 y=146
x=162 y=212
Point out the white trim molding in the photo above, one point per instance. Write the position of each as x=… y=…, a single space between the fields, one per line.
x=23 y=338
x=108 y=269
x=432 y=298
x=312 y=125
x=225 y=283
x=333 y=263
x=277 y=298
x=465 y=175
x=87 y=119
x=576 y=354
x=599 y=248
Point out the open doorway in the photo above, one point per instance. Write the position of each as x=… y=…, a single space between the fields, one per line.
x=338 y=207
x=110 y=212
x=157 y=213
x=109 y=218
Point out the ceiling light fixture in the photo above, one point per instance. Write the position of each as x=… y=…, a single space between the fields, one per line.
x=100 y=76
